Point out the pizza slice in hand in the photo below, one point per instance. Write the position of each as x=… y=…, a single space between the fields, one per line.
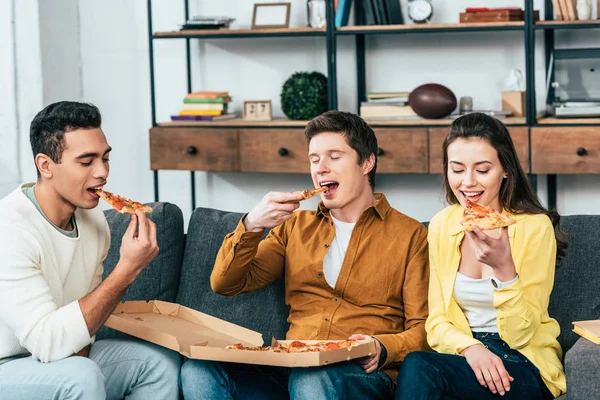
x=486 y=218
x=307 y=194
x=121 y=204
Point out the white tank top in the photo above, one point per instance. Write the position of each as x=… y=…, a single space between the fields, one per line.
x=476 y=299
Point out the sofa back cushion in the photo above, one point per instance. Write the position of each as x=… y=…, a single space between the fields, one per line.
x=575 y=294
x=159 y=280
x=262 y=311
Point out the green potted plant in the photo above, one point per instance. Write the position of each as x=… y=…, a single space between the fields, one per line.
x=304 y=95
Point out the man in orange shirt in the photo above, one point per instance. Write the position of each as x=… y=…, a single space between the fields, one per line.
x=354 y=268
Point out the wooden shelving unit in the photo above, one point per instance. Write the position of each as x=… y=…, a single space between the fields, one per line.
x=229 y=145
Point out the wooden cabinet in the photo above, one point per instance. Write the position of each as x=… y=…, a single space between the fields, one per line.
x=273 y=150
x=402 y=150
x=195 y=149
x=565 y=150
x=519 y=135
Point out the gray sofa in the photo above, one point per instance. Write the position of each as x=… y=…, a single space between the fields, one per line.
x=180 y=273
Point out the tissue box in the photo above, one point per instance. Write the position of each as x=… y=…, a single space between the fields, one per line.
x=514 y=102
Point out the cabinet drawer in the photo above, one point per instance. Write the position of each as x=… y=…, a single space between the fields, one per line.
x=565 y=150
x=402 y=150
x=274 y=150
x=519 y=135
x=194 y=149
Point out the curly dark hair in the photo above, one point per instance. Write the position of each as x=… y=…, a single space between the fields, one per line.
x=48 y=128
x=358 y=133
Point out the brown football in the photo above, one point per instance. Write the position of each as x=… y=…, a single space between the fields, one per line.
x=432 y=101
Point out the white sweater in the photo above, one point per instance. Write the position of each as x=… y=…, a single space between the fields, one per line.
x=43 y=274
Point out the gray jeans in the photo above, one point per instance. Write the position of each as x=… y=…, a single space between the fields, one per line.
x=116 y=369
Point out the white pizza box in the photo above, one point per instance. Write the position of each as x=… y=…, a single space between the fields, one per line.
x=201 y=336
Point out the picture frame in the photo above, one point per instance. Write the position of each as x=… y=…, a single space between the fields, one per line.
x=257 y=110
x=271 y=15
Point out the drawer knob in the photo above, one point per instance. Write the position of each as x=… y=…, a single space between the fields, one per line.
x=380 y=152
x=192 y=150
x=581 y=152
x=283 y=152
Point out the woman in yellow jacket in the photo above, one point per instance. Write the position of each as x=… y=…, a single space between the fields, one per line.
x=489 y=291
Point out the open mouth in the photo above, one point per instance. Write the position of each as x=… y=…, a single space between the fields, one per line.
x=472 y=196
x=92 y=191
x=331 y=188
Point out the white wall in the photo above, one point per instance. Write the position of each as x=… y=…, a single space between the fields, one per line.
x=21 y=86
x=60 y=49
x=115 y=76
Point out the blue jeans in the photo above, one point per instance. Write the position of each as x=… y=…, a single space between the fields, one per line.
x=115 y=369
x=428 y=375
x=212 y=380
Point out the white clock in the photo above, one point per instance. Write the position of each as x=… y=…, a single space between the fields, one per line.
x=420 y=11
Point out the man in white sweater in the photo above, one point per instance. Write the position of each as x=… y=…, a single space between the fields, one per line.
x=53 y=241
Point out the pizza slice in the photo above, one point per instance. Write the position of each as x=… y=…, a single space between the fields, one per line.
x=486 y=218
x=121 y=204
x=307 y=194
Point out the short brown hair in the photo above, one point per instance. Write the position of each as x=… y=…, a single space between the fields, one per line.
x=358 y=133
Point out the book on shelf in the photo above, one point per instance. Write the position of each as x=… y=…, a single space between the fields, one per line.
x=211 y=104
x=588 y=329
x=205 y=106
x=222 y=117
x=384 y=102
x=207 y=94
x=212 y=113
x=387 y=95
x=205 y=100
x=385 y=111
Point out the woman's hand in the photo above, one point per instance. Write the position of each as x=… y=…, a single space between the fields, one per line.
x=494 y=252
x=488 y=369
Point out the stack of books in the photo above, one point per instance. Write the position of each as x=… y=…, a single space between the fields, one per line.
x=588 y=329
x=205 y=106
x=387 y=105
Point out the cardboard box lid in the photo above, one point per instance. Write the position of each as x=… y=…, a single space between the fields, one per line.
x=201 y=336
x=177 y=327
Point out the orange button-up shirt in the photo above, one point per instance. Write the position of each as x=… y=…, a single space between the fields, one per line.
x=381 y=289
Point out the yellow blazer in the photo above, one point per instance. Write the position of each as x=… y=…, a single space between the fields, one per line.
x=522 y=307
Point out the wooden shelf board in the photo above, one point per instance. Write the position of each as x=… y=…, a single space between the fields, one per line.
x=286 y=122
x=568 y=121
x=426 y=27
x=240 y=32
x=436 y=122
x=235 y=122
x=567 y=24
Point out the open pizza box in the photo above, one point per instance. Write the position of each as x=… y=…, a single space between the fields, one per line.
x=201 y=336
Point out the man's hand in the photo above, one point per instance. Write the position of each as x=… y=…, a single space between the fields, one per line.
x=138 y=248
x=85 y=352
x=494 y=252
x=370 y=363
x=273 y=209
x=488 y=369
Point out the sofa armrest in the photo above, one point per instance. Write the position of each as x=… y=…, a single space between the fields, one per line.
x=582 y=363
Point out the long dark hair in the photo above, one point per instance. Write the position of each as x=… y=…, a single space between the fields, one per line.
x=516 y=193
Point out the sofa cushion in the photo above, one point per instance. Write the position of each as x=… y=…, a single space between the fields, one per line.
x=577 y=279
x=159 y=280
x=262 y=311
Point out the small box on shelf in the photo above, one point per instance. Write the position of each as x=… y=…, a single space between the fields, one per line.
x=514 y=102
